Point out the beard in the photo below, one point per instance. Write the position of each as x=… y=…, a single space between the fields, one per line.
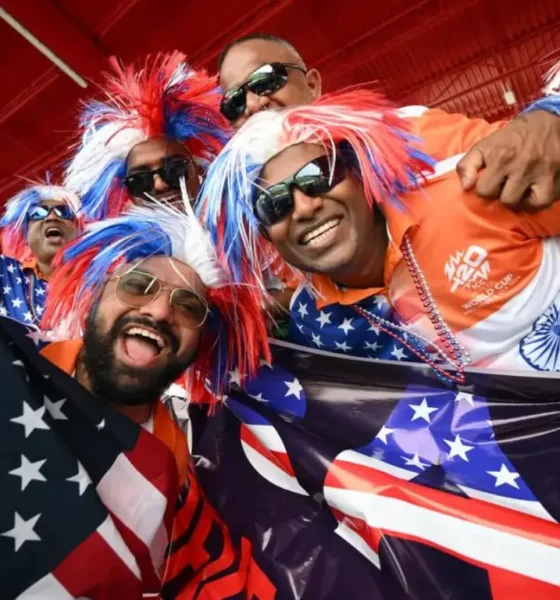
x=116 y=383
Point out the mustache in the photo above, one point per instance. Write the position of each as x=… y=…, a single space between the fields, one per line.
x=159 y=326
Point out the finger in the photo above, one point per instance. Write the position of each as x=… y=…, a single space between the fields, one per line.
x=541 y=194
x=515 y=189
x=469 y=166
x=491 y=182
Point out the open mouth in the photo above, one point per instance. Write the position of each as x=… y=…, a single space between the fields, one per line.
x=54 y=234
x=322 y=234
x=142 y=346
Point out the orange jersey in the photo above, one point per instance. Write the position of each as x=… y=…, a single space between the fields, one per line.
x=493 y=273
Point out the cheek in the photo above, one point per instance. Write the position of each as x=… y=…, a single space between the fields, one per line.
x=278 y=234
x=190 y=339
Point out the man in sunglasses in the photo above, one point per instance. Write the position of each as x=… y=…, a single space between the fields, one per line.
x=148 y=293
x=158 y=123
x=389 y=271
x=261 y=71
x=36 y=224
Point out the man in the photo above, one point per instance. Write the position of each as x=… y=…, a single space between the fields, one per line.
x=149 y=294
x=36 y=224
x=261 y=71
x=421 y=275
x=157 y=123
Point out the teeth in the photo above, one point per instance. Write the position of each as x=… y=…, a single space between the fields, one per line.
x=320 y=230
x=148 y=334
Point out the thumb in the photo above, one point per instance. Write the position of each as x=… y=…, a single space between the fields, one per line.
x=468 y=168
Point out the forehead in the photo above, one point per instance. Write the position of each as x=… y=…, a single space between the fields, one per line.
x=150 y=154
x=51 y=202
x=289 y=161
x=171 y=271
x=244 y=58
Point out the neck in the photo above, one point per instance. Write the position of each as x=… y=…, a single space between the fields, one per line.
x=369 y=269
x=44 y=268
x=139 y=414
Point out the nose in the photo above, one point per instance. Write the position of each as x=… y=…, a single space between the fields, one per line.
x=255 y=103
x=158 y=309
x=305 y=207
x=159 y=185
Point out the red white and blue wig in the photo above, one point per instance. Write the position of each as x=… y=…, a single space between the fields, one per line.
x=359 y=126
x=14 y=222
x=164 y=97
x=235 y=334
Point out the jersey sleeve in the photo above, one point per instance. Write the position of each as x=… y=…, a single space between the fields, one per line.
x=446 y=134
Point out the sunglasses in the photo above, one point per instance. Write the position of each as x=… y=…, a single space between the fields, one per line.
x=61 y=211
x=137 y=289
x=317 y=177
x=142 y=182
x=263 y=82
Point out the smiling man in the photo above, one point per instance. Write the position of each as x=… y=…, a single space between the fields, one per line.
x=36 y=224
x=389 y=271
x=153 y=302
x=157 y=123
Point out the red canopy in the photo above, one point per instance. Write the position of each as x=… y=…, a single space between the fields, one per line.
x=460 y=55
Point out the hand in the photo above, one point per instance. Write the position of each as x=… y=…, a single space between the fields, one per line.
x=521 y=163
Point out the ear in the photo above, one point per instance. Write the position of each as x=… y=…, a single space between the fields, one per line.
x=314 y=83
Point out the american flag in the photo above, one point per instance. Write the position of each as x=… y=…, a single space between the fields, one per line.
x=88 y=497
x=388 y=483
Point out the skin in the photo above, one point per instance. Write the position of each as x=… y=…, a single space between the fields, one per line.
x=518 y=164
x=248 y=56
x=44 y=248
x=353 y=252
x=150 y=155
x=130 y=387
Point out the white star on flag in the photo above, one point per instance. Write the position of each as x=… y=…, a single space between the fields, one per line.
x=17 y=302
x=373 y=346
x=235 y=377
x=346 y=326
x=344 y=346
x=457 y=448
x=398 y=353
x=100 y=425
x=375 y=329
x=422 y=411
x=324 y=318
x=7 y=289
x=381 y=301
x=294 y=388
x=23 y=531
x=300 y=327
x=263 y=363
x=468 y=398
x=505 y=476
x=316 y=339
x=259 y=398
x=36 y=336
x=40 y=292
x=28 y=317
x=81 y=478
x=29 y=471
x=31 y=419
x=414 y=462
x=55 y=409
x=11 y=268
x=18 y=280
x=3 y=311
x=383 y=433
x=302 y=310
x=40 y=310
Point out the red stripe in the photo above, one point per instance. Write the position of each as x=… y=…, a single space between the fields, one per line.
x=95 y=571
x=354 y=477
x=280 y=459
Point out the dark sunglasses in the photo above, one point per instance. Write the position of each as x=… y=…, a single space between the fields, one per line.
x=61 y=211
x=142 y=182
x=137 y=289
x=263 y=82
x=317 y=177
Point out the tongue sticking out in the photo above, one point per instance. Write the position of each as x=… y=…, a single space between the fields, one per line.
x=142 y=352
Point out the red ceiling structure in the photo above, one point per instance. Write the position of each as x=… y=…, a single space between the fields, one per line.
x=460 y=55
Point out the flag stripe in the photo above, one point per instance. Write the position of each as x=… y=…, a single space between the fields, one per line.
x=47 y=587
